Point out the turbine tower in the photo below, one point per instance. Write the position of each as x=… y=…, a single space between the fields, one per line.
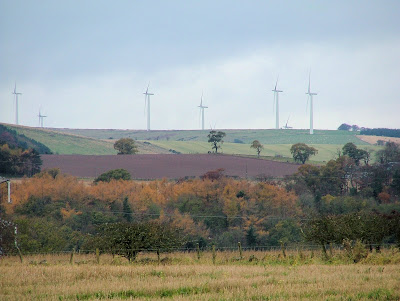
x=147 y=100
x=276 y=104
x=41 y=119
x=310 y=95
x=16 y=102
x=202 y=111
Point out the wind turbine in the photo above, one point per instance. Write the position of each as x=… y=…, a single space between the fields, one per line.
x=286 y=125
x=41 y=118
x=310 y=95
x=202 y=111
x=276 y=104
x=16 y=102
x=147 y=100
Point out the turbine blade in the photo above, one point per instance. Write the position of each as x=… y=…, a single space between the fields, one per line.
x=309 y=82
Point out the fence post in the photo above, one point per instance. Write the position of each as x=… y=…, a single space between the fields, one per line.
x=214 y=255
x=240 y=250
x=97 y=255
x=16 y=243
x=20 y=254
x=198 y=251
x=158 y=256
x=283 y=249
x=71 y=259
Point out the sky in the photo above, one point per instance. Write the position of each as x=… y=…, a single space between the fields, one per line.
x=86 y=64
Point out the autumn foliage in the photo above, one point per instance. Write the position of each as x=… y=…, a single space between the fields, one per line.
x=214 y=209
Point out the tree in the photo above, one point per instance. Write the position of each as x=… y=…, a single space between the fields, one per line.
x=251 y=237
x=7 y=237
x=301 y=152
x=391 y=153
x=257 y=146
x=125 y=146
x=126 y=208
x=351 y=150
x=215 y=138
x=128 y=239
x=344 y=127
x=115 y=174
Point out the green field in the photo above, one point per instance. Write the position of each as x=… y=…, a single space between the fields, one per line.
x=276 y=143
x=63 y=143
x=246 y=136
x=326 y=152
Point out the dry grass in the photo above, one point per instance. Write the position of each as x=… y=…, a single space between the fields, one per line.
x=182 y=277
x=374 y=139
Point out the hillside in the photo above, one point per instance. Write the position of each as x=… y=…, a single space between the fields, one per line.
x=326 y=152
x=232 y=136
x=64 y=143
x=72 y=144
x=13 y=139
x=276 y=143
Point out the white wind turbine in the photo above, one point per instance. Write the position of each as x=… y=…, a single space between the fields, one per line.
x=147 y=101
x=202 y=111
x=16 y=102
x=276 y=104
x=310 y=95
x=41 y=118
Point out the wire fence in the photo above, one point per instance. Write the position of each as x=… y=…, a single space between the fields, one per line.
x=210 y=248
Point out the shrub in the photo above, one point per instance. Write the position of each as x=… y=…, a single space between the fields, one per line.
x=115 y=174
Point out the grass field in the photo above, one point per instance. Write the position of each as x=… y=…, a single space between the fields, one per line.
x=326 y=152
x=276 y=143
x=246 y=136
x=70 y=144
x=63 y=143
x=181 y=276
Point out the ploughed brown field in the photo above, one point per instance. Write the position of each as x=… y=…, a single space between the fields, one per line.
x=166 y=166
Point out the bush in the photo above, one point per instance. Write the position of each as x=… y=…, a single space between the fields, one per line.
x=115 y=174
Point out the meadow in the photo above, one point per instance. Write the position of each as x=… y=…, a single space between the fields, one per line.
x=62 y=143
x=281 y=152
x=276 y=143
x=265 y=136
x=259 y=275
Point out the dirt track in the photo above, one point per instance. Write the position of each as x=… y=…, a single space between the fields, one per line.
x=166 y=166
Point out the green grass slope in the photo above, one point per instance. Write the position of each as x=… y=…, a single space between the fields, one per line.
x=63 y=143
x=276 y=143
x=326 y=152
x=246 y=136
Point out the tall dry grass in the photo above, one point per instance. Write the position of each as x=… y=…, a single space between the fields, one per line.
x=181 y=276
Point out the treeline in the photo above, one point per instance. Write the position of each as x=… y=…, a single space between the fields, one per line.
x=55 y=211
x=346 y=201
x=16 y=161
x=381 y=132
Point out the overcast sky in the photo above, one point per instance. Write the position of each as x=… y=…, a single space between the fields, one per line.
x=86 y=64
